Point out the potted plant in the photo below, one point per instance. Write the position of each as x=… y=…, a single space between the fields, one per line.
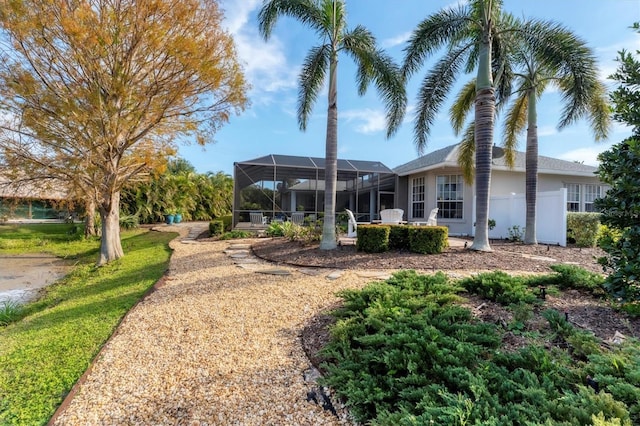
x=177 y=218
x=170 y=217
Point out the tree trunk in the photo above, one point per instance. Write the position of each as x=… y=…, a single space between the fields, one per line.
x=485 y=105
x=328 y=241
x=485 y=111
x=531 y=180
x=90 y=218
x=110 y=245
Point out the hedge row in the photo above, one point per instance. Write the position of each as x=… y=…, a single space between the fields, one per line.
x=417 y=239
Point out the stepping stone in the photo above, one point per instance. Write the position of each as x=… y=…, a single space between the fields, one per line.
x=239 y=255
x=311 y=271
x=334 y=275
x=239 y=246
x=542 y=258
x=374 y=274
x=189 y=242
x=282 y=272
x=245 y=261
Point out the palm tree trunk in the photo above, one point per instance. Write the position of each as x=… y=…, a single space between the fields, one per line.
x=485 y=105
x=531 y=180
x=328 y=241
x=484 y=116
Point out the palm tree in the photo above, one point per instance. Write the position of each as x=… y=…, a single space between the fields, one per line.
x=568 y=64
x=582 y=94
x=471 y=34
x=481 y=35
x=328 y=19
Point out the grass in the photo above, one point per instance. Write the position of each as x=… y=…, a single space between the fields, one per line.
x=55 y=338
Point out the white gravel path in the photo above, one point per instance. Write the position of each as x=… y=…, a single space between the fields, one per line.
x=217 y=344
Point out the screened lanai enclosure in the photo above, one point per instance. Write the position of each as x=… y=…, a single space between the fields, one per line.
x=279 y=185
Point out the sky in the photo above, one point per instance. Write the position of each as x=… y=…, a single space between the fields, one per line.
x=269 y=124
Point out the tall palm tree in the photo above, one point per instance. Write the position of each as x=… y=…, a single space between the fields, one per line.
x=566 y=63
x=328 y=19
x=582 y=94
x=471 y=34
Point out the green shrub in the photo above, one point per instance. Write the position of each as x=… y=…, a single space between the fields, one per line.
x=583 y=228
x=428 y=239
x=275 y=229
x=129 y=221
x=398 y=237
x=216 y=227
x=500 y=287
x=236 y=234
x=227 y=220
x=373 y=238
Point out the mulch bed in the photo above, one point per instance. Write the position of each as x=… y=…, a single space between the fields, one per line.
x=507 y=256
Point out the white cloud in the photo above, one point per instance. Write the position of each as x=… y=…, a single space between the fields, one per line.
x=587 y=156
x=265 y=63
x=547 y=131
x=395 y=41
x=367 y=120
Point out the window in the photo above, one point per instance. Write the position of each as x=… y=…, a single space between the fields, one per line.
x=591 y=192
x=449 y=193
x=573 y=197
x=417 y=197
x=580 y=197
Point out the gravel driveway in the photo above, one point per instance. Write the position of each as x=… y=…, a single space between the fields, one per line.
x=216 y=344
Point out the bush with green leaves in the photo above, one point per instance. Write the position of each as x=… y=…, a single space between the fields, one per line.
x=216 y=227
x=373 y=238
x=129 y=221
x=398 y=237
x=231 y=235
x=583 y=228
x=428 y=239
x=500 y=287
x=620 y=207
x=402 y=353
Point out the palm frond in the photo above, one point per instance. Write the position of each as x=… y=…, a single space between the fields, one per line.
x=433 y=33
x=306 y=11
x=599 y=113
x=333 y=19
x=311 y=78
x=514 y=124
x=462 y=105
x=466 y=153
x=376 y=66
x=433 y=91
x=360 y=44
x=570 y=59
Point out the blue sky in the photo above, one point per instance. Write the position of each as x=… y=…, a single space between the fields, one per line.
x=269 y=125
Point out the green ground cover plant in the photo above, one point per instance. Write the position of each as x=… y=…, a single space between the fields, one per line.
x=402 y=352
x=49 y=347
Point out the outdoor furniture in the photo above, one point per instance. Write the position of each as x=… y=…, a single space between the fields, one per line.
x=433 y=218
x=297 y=218
x=352 y=227
x=391 y=216
x=257 y=219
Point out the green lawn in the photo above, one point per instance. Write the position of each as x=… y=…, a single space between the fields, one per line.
x=44 y=353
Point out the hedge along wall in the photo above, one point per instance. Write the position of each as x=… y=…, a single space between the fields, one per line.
x=583 y=228
x=418 y=239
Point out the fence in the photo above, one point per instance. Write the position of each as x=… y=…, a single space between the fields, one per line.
x=551 y=216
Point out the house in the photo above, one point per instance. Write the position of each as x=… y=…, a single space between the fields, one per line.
x=435 y=180
x=31 y=199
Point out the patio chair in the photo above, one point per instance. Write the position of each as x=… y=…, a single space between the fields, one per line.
x=297 y=218
x=352 y=227
x=433 y=218
x=257 y=219
x=391 y=216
